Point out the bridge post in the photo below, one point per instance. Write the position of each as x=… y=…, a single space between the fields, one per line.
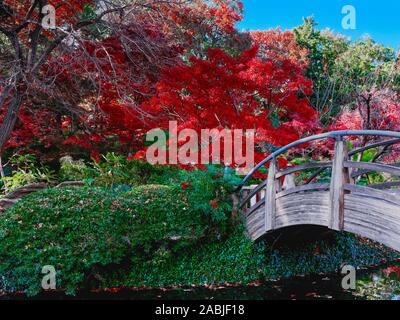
x=270 y=196
x=340 y=176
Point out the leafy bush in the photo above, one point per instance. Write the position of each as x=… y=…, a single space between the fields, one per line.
x=88 y=234
x=163 y=214
x=73 y=170
x=237 y=260
x=380 y=285
x=114 y=170
x=208 y=192
x=72 y=229
x=25 y=170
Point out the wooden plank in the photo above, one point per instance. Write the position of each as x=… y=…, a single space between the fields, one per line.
x=255 y=207
x=308 y=187
x=340 y=176
x=258 y=214
x=253 y=201
x=307 y=208
x=373 y=218
x=310 y=211
x=373 y=193
x=319 y=198
x=374 y=208
x=303 y=167
x=374 y=145
x=289 y=182
x=358 y=173
x=359 y=223
x=255 y=227
x=311 y=198
x=252 y=193
x=302 y=221
x=302 y=199
x=257 y=234
x=285 y=205
x=307 y=214
x=378 y=167
x=270 y=196
x=385 y=185
x=376 y=226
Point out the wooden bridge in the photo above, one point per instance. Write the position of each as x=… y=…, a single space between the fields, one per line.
x=341 y=203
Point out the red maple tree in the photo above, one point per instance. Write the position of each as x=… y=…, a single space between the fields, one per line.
x=104 y=91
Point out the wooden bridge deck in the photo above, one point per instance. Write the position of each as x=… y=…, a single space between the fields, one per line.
x=371 y=211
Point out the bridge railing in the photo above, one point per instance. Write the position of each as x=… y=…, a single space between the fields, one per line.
x=344 y=173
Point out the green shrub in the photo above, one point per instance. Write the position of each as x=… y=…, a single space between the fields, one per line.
x=73 y=170
x=164 y=214
x=25 y=170
x=114 y=170
x=209 y=192
x=237 y=260
x=90 y=234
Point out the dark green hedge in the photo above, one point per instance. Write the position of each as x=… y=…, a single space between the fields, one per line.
x=90 y=233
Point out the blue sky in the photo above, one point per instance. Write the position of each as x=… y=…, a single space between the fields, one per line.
x=379 y=19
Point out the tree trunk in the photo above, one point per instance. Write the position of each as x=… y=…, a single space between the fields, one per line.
x=368 y=115
x=4 y=96
x=9 y=120
x=2 y=175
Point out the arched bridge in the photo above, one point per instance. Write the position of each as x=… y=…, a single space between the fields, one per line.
x=342 y=199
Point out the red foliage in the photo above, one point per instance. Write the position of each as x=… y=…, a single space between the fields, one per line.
x=261 y=88
x=66 y=12
x=185 y=185
x=280 y=46
x=244 y=92
x=31 y=128
x=214 y=204
x=379 y=111
x=392 y=269
x=376 y=110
